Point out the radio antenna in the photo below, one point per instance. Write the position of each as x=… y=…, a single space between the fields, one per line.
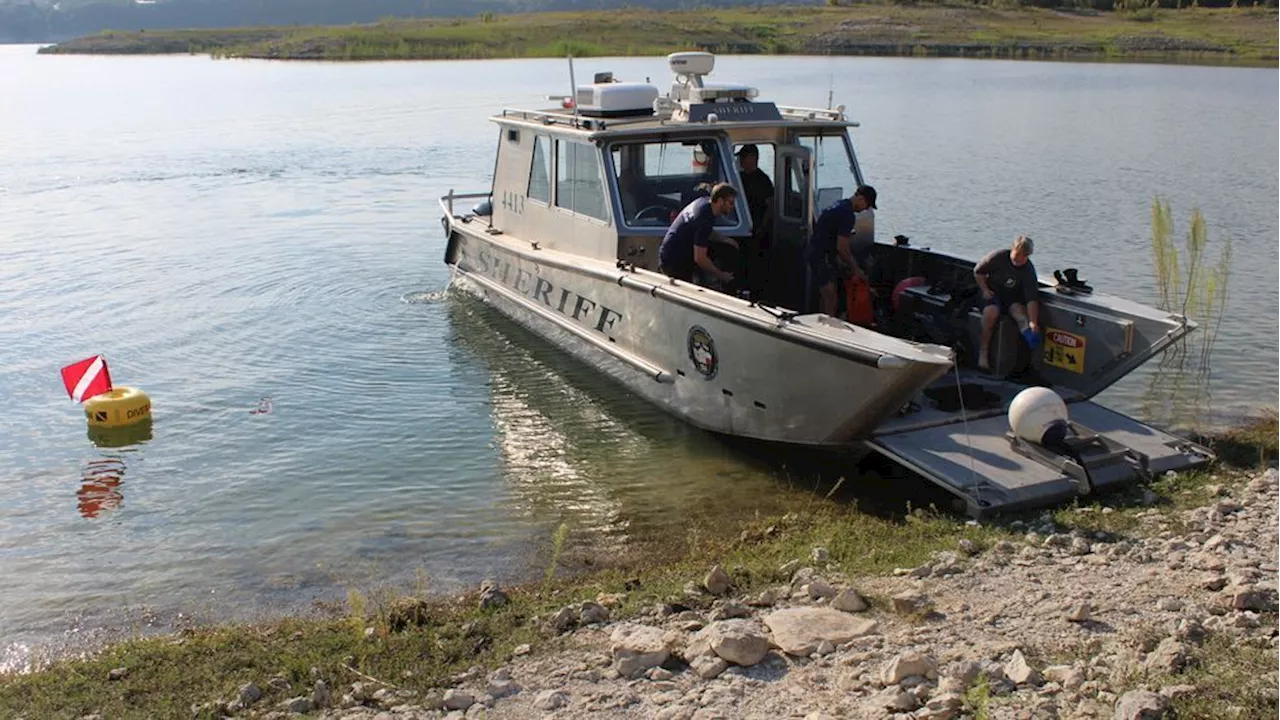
x=831 y=90
x=573 y=90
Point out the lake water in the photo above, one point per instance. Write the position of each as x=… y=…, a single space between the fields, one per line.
x=232 y=231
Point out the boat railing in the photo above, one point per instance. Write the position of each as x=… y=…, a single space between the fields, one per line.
x=791 y=112
x=567 y=119
x=447 y=200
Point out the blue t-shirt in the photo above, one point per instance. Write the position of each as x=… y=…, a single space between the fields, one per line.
x=836 y=220
x=692 y=228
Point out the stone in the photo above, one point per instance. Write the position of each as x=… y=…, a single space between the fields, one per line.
x=741 y=642
x=522 y=649
x=824 y=648
x=709 y=668
x=799 y=631
x=502 y=687
x=611 y=600
x=1170 y=656
x=564 y=620
x=788 y=569
x=965 y=671
x=1175 y=692
x=321 y=696
x=820 y=555
x=848 y=600
x=455 y=699
x=905 y=665
x=1080 y=546
x=1018 y=670
x=659 y=674
x=730 y=610
x=1141 y=705
x=408 y=612
x=551 y=700
x=909 y=603
x=1068 y=677
x=820 y=589
x=1169 y=604
x=967 y=547
x=298 y=705
x=717 y=581
x=119 y=673
x=637 y=648
x=1253 y=598
x=1079 y=612
x=492 y=596
x=902 y=701
x=945 y=706
x=248 y=694
x=590 y=613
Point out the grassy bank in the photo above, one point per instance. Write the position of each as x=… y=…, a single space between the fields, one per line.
x=415 y=644
x=1232 y=36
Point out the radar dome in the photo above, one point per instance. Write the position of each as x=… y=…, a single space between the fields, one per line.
x=1035 y=411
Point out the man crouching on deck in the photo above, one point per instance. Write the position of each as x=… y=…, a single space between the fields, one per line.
x=1007 y=280
x=685 y=249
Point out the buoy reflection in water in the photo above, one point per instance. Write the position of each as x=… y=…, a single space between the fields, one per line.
x=119 y=437
x=101 y=490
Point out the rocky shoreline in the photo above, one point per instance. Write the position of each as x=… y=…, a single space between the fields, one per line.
x=1064 y=622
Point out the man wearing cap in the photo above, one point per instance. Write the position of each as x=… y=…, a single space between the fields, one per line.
x=1009 y=286
x=686 y=247
x=830 y=250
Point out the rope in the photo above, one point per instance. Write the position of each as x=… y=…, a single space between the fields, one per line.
x=964 y=416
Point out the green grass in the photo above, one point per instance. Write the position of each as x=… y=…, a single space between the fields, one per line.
x=1244 y=36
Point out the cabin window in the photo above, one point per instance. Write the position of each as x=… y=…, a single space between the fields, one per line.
x=657 y=179
x=578 y=184
x=835 y=178
x=794 y=187
x=540 y=173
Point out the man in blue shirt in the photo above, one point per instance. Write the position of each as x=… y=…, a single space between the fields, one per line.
x=829 y=249
x=686 y=245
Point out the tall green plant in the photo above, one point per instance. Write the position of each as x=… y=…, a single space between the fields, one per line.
x=1188 y=285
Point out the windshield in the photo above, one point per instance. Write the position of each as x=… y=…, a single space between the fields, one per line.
x=835 y=175
x=655 y=180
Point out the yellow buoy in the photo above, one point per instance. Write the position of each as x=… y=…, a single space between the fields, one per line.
x=118 y=407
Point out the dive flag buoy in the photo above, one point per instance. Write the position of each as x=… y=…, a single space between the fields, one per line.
x=89 y=382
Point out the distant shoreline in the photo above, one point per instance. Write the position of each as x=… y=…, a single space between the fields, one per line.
x=1227 y=36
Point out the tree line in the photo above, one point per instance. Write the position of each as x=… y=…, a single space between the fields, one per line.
x=47 y=21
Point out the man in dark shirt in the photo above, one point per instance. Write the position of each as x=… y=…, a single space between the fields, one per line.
x=686 y=245
x=1009 y=286
x=829 y=253
x=758 y=189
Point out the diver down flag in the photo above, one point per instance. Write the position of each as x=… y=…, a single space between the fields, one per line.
x=87 y=378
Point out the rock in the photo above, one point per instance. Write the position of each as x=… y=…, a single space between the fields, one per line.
x=967 y=547
x=799 y=631
x=659 y=674
x=903 y=701
x=730 y=610
x=637 y=648
x=848 y=600
x=248 y=694
x=945 y=706
x=564 y=620
x=766 y=598
x=551 y=700
x=321 y=697
x=1079 y=612
x=909 y=603
x=820 y=589
x=788 y=569
x=611 y=600
x=820 y=555
x=297 y=705
x=408 y=612
x=1068 y=677
x=965 y=671
x=1004 y=547
x=1080 y=546
x=455 y=699
x=742 y=642
x=1170 y=656
x=1175 y=692
x=1253 y=598
x=502 y=687
x=1018 y=670
x=1141 y=705
x=709 y=668
x=1214 y=583
x=492 y=596
x=717 y=581
x=906 y=664
x=522 y=649
x=119 y=673
x=590 y=613
x=1169 y=604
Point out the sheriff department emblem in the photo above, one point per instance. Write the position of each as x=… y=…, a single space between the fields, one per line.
x=702 y=352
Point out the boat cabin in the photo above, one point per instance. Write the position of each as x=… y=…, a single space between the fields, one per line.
x=603 y=176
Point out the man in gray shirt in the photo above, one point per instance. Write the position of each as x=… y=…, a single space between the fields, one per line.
x=1009 y=286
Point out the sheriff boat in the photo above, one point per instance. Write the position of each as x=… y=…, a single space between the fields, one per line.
x=565 y=243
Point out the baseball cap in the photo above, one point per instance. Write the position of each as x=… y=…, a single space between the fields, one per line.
x=867 y=192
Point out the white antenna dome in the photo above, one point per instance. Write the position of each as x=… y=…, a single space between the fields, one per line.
x=691 y=63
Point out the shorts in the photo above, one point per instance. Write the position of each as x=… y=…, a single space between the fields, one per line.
x=821 y=272
x=1002 y=302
